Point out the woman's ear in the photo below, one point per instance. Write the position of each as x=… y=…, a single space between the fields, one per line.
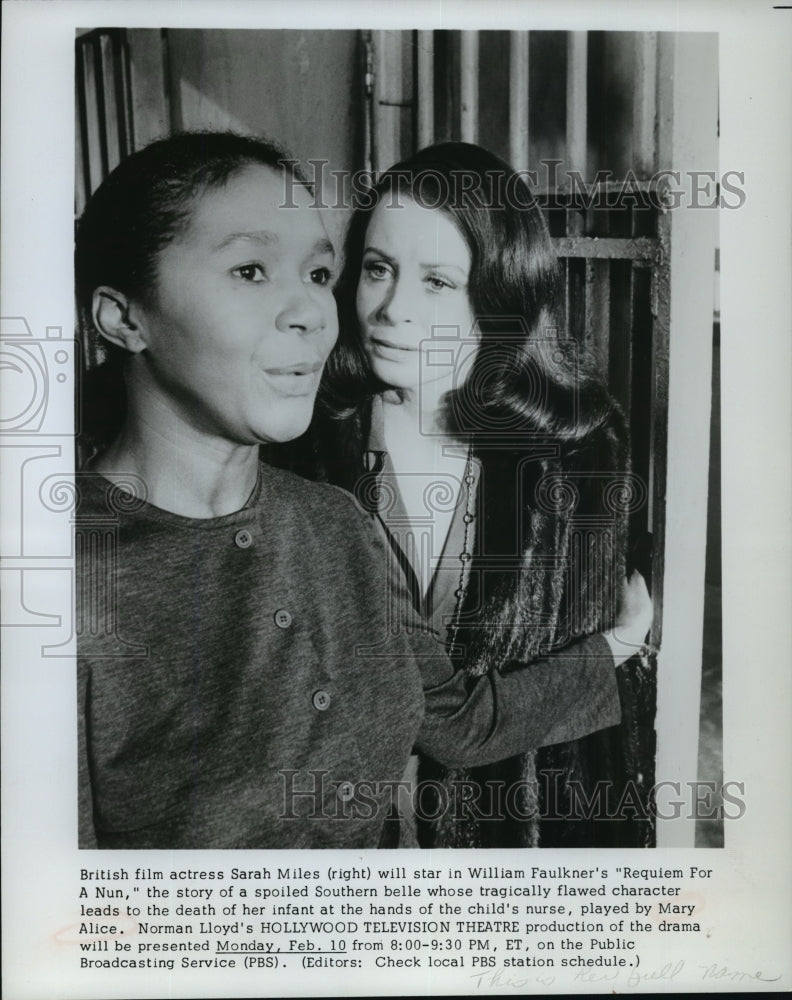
x=113 y=319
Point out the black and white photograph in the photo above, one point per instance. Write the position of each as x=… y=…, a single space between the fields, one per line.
x=473 y=381
x=377 y=478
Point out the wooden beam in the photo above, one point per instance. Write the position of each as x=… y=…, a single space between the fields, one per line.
x=425 y=95
x=606 y=248
x=469 y=74
x=518 y=99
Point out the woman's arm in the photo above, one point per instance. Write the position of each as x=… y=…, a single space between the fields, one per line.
x=480 y=720
x=567 y=695
x=471 y=720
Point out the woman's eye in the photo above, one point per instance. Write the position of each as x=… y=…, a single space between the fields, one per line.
x=250 y=272
x=321 y=276
x=438 y=284
x=376 y=271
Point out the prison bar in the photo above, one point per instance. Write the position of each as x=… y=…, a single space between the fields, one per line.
x=576 y=148
x=644 y=97
x=468 y=91
x=386 y=139
x=104 y=105
x=594 y=248
x=91 y=100
x=577 y=68
x=114 y=122
x=518 y=99
x=83 y=132
x=425 y=96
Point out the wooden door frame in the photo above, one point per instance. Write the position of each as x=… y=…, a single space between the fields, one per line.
x=687 y=142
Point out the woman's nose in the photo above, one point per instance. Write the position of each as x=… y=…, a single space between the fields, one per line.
x=397 y=305
x=302 y=313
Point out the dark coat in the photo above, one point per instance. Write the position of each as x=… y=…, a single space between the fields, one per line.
x=548 y=566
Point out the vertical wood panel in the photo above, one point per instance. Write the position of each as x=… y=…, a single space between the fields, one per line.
x=81 y=133
x=597 y=332
x=425 y=94
x=687 y=119
x=112 y=125
x=388 y=89
x=576 y=297
x=620 y=341
x=150 y=110
x=469 y=76
x=641 y=377
x=518 y=100
x=567 y=304
x=124 y=89
x=93 y=139
x=644 y=104
x=577 y=69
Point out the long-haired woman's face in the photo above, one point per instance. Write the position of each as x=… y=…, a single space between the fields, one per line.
x=243 y=317
x=412 y=297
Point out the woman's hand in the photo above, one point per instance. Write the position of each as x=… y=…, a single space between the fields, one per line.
x=633 y=619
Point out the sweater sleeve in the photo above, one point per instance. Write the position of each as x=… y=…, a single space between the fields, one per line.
x=480 y=720
x=472 y=720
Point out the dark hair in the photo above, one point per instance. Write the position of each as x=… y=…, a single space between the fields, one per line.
x=135 y=213
x=526 y=375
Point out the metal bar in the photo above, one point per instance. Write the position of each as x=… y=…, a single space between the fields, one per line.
x=368 y=91
x=425 y=96
x=82 y=131
x=576 y=116
x=112 y=125
x=468 y=89
x=79 y=164
x=597 y=188
x=592 y=247
x=642 y=372
x=576 y=318
x=387 y=98
x=121 y=95
x=597 y=331
x=518 y=99
x=126 y=77
x=620 y=341
x=644 y=98
x=92 y=138
x=661 y=333
x=101 y=115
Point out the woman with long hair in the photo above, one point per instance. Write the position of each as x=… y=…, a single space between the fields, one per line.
x=458 y=412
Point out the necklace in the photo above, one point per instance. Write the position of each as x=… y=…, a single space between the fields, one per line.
x=469 y=481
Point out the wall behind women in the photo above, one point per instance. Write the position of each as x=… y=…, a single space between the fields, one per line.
x=300 y=88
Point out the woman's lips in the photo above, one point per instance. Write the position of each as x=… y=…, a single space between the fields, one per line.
x=298 y=368
x=299 y=379
x=381 y=342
